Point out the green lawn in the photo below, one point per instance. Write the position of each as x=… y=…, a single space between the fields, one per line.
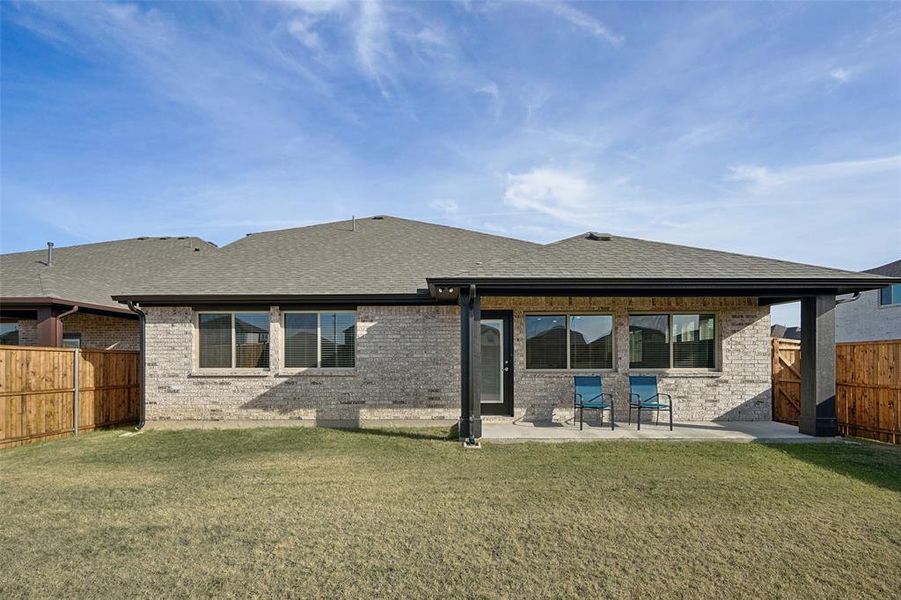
x=324 y=513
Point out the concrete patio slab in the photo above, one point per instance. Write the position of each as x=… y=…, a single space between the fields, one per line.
x=700 y=431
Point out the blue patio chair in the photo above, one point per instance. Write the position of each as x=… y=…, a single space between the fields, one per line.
x=588 y=394
x=644 y=395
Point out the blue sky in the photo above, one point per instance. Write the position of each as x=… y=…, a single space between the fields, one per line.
x=769 y=129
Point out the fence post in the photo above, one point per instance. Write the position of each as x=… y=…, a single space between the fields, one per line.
x=76 y=362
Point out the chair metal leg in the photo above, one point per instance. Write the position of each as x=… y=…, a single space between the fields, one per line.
x=658 y=418
x=671 y=417
x=612 y=426
x=581 y=416
x=629 y=422
x=639 y=418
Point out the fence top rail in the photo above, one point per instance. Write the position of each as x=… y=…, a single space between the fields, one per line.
x=60 y=349
x=42 y=348
x=790 y=342
x=868 y=343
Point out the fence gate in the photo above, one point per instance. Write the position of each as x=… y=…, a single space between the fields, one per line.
x=786 y=380
x=867 y=387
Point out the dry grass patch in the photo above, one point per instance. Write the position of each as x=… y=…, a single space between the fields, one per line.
x=324 y=513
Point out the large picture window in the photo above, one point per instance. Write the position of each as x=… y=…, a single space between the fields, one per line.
x=569 y=342
x=679 y=341
x=320 y=339
x=238 y=340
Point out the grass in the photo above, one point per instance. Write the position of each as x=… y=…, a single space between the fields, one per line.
x=325 y=513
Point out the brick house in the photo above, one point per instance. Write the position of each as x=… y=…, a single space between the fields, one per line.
x=384 y=319
x=62 y=296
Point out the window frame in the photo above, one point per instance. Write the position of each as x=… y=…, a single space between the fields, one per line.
x=15 y=323
x=566 y=317
x=318 y=313
x=669 y=332
x=893 y=299
x=232 y=314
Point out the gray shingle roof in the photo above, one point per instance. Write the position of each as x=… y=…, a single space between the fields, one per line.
x=386 y=255
x=582 y=257
x=383 y=256
x=92 y=273
x=892 y=269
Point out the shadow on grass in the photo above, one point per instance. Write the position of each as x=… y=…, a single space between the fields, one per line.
x=871 y=463
x=441 y=435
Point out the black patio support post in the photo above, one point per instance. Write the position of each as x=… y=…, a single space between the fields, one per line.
x=818 y=366
x=470 y=425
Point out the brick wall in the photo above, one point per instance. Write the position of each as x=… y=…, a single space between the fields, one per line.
x=96 y=331
x=738 y=390
x=407 y=367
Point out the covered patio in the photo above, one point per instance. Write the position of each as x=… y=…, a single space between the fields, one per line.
x=698 y=431
x=727 y=395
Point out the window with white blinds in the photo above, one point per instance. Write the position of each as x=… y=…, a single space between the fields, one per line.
x=678 y=341
x=233 y=340
x=325 y=339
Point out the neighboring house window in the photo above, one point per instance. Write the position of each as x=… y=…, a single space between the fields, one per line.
x=238 y=340
x=677 y=341
x=9 y=332
x=569 y=342
x=890 y=295
x=320 y=339
x=71 y=340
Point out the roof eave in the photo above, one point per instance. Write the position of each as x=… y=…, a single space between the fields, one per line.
x=37 y=301
x=275 y=299
x=781 y=287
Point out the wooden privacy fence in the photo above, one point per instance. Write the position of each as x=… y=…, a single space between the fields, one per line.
x=47 y=393
x=867 y=387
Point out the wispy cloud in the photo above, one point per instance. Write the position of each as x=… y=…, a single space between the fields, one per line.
x=583 y=21
x=764 y=177
x=445 y=205
x=840 y=74
x=564 y=195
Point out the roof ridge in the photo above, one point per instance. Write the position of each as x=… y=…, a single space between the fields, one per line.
x=107 y=242
x=382 y=217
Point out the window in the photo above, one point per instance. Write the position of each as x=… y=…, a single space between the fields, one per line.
x=890 y=295
x=320 y=339
x=672 y=341
x=569 y=341
x=71 y=340
x=9 y=332
x=233 y=340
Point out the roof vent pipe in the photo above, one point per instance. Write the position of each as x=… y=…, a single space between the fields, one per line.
x=49 y=253
x=353 y=220
x=599 y=237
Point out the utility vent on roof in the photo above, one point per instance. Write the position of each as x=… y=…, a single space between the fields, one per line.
x=599 y=237
x=164 y=238
x=142 y=238
x=378 y=217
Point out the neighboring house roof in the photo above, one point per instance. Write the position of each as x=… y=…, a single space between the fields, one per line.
x=788 y=333
x=91 y=273
x=892 y=269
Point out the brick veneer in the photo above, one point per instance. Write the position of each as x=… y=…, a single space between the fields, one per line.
x=96 y=331
x=407 y=367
